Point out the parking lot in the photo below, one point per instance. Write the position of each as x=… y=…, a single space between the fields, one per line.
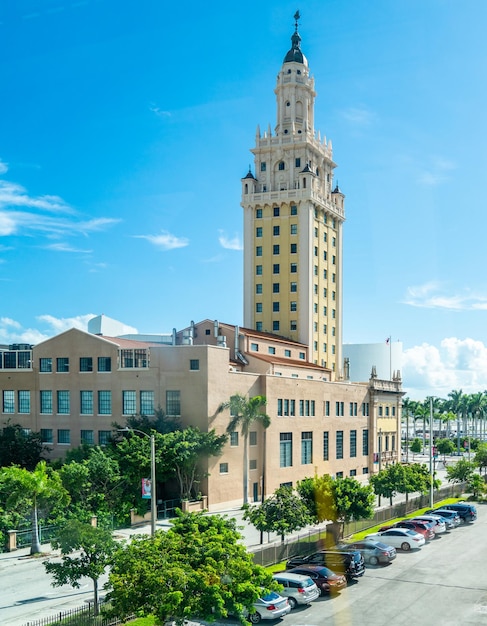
x=442 y=584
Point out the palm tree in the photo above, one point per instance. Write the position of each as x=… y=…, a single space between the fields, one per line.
x=408 y=408
x=456 y=404
x=244 y=412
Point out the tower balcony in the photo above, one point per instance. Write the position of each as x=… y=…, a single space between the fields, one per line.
x=283 y=194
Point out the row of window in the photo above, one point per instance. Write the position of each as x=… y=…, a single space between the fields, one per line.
x=87 y=402
x=63 y=436
x=276 y=230
x=386 y=411
x=252 y=438
x=276 y=211
x=286 y=446
x=272 y=350
x=276 y=288
x=15 y=359
x=276 y=307
x=287 y=407
x=224 y=469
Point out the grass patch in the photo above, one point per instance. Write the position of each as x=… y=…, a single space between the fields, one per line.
x=143 y=621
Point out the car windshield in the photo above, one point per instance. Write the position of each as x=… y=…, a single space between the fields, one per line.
x=411 y=533
x=381 y=546
x=271 y=597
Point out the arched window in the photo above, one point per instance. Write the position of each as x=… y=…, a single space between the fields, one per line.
x=281 y=165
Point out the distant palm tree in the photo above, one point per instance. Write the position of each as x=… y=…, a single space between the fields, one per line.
x=244 y=412
x=456 y=405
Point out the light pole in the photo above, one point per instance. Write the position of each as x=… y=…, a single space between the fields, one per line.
x=153 y=493
x=431 y=454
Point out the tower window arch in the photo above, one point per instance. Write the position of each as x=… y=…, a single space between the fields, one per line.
x=288 y=104
x=281 y=165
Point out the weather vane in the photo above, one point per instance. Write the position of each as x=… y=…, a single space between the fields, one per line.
x=296 y=17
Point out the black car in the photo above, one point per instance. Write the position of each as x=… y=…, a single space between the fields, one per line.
x=467 y=512
x=349 y=563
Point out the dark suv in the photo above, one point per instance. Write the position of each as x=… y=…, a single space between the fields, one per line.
x=349 y=563
x=467 y=512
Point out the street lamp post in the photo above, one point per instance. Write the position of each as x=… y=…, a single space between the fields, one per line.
x=431 y=455
x=153 y=492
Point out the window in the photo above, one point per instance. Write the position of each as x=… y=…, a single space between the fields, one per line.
x=294 y=248
x=258 y=270
x=275 y=231
x=380 y=410
x=294 y=268
x=194 y=365
x=281 y=165
x=23 y=400
x=327 y=408
x=324 y=310
x=324 y=346
x=339 y=409
x=306 y=448
x=276 y=211
x=258 y=213
x=258 y=325
x=62 y=364
x=254 y=347
x=8 y=405
x=365 y=470
x=294 y=229
x=302 y=355
x=258 y=307
x=46 y=435
x=339 y=474
x=315 y=307
x=258 y=231
x=64 y=436
x=275 y=307
x=285 y=449
x=271 y=350
x=324 y=255
x=294 y=287
x=63 y=402
x=387 y=411
x=333 y=295
x=258 y=288
x=353 y=409
x=223 y=468
x=234 y=438
x=45 y=365
x=287 y=353
x=365 y=442
x=88 y=437
x=147 y=403
x=316 y=250
x=104 y=363
x=275 y=249
x=129 y=403
x=46 y=402
x=173 y=403
x=253 y=464
x=263 y=166
x=86 y=364
x=353 y=443
x=86 y=402
x=275 y=268
x=258 y=251
x=104 y=403
x=275 y=287
x=297 y=162
x=104 y=437
x=253 y=438
x=365 y=409
x=275 y=325
x=339 y=444
x=294 y=208
x=294 y=306
x=326 y=445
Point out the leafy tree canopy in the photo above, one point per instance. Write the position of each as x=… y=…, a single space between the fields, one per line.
x=318 y=495
x=17 y=447
x=197 y=569
x=460 y=472
x=480 y=459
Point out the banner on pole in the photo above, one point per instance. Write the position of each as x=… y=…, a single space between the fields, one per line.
x=146 y=488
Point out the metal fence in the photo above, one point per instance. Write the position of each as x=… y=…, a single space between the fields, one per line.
x=80 y=616
x=315 y=539
x=46 y=533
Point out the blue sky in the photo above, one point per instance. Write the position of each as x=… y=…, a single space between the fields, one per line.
x=126 y=126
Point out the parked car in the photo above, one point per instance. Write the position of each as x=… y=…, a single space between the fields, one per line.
x=270 y=606
x=374 y=552
x=448 y=515
x=466 y=511
x=350 y=563
x=423 y=528
x=438 y=521
x=400 y=538
x=297 y=588
x=326 y=580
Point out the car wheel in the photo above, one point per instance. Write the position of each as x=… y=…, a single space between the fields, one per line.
x=405 y=546
x=373 y=560
x=320 y=591
x=292 y=603
x=255 y=617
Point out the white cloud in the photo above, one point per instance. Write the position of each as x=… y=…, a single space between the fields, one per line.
x=230 y=243
x=64 y=247
x=14 y=195
x=358 y=116
x=3 y=167
x=436 y=370
x=430 y=296
x=159 y=112
x=165 y=240
x=57 y=325
x=435 y=171
x=7 y=321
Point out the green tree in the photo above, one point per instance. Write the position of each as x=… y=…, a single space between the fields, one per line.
x=244 y=412
x=476 y=484
x=416 y=446
x=182 y=453
x=353 y=501
x=282 y=513
x=318 y=495
x=444 y=447
x=199 y=568
x=388 y=481
x=480 y=458
x=17 y=447
x=94 y=548
x=460 y=472
x=30 y=490
x=160 y=422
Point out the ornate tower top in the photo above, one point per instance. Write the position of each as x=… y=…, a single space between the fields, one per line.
x=295 y=55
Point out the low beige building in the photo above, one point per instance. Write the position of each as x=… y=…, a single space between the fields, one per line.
x=73 y=387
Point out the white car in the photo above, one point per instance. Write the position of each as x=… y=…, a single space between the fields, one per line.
x=439 y=522
x=400 y=538
x=297 y=588
x=271 y=606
